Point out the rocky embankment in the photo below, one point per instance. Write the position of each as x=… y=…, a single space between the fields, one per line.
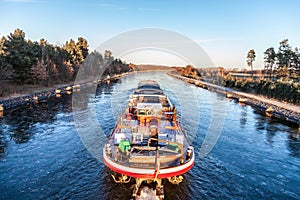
x=270 y=107
x=13 y=102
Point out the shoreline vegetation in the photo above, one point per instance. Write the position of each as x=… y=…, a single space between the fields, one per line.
x=285 y=91
x=33 y=94
x=288 y=111
x=31 y=71
x=27 y=66
x=270 y=107
x=43 y=94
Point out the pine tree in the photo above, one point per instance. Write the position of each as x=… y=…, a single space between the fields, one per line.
x=20 y=54
x=81 y=49
x=2 y=50
x=250 y=58
x=270 y=60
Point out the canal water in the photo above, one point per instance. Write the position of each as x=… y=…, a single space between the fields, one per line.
x=240 y=153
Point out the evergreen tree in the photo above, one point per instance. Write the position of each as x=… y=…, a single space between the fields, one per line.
x=2 y=50
x=270 y=60
x=78 y=51
x=70 y=47
x=284 y=54
x=81 y=49
x=20 y=54
x=6 y=70
x=288 y=60
x=92 y=66
x=250 y=58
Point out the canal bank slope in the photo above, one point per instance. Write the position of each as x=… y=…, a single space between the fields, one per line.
x=271 y=107
x=35 y=94
x=38 y=95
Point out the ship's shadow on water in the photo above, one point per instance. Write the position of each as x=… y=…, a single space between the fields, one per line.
x=43 y=157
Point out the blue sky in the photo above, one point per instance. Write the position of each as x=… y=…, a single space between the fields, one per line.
x=226 y=30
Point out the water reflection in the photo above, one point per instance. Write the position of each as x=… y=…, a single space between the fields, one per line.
x=3 y=143
x=80 y=99
x=42 y=157
x=260 y=122
x=276 y=130
x=294 y=144
x=243 y=118
x=19 y=122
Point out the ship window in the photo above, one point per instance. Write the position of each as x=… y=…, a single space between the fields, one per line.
x=141 y=112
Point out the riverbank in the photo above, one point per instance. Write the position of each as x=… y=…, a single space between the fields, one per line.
x=271 y=107
x=44 y=93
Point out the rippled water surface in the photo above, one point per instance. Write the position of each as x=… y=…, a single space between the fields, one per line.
x=43 y=157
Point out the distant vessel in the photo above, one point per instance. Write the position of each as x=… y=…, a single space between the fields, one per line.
x=147 y=142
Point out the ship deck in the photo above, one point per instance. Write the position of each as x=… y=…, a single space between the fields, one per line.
x=147 y=140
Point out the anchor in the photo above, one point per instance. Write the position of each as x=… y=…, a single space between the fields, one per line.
x=121 y=179
x=175 y=179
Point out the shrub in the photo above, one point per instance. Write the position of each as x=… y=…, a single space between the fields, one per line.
x=281 y=90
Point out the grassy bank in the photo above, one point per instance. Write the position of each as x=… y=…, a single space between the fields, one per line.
x=10 y=89
x=288 y=91
x=271 y=107
x=34 y=94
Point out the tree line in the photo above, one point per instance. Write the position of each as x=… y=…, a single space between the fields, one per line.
x=283 y=64
x=282 y=68
x=39 y=62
